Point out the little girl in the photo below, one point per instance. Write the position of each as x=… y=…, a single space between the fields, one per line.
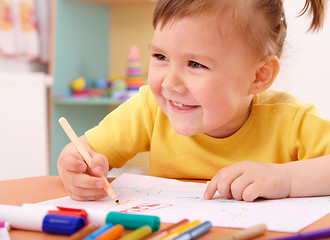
x=208 y=112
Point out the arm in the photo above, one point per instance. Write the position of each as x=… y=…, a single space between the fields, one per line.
x=310 y=177
x=249 y=180
x=81 y=182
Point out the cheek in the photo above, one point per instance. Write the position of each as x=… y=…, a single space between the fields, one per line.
x=216 y=98
x=155 y=82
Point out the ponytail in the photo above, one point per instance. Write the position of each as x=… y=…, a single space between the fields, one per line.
x=316 y=8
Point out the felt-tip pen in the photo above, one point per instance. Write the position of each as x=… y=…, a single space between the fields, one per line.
x=165 y=231
x=134 y=221
x=181 y=230
x=245 y=234
x=138 y=233
x=196 y=231
x=112 y=234
x=317 y=234
x=62 y=224
x=38 y=219
x=31 y=216
x=98 y=232
x=82 y=233
x=85 y=154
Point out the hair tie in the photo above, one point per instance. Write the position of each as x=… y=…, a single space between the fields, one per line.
x=282 y=16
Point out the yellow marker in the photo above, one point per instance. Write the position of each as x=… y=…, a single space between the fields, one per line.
x=180 y=230
x=166 y=231
x=137 y=234
x=84 y=153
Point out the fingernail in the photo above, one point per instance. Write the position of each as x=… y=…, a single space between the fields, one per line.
x=97 y=169
x=206 y=196
x=82 y=168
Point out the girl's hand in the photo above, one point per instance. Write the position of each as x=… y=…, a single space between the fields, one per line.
x=81 y=182
x=248 y=180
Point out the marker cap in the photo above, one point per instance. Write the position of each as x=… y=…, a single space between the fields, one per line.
x=70 y=212
x=62 y=224
x=133 y=221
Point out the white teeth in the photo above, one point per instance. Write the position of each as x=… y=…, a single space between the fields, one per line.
x=178 y=104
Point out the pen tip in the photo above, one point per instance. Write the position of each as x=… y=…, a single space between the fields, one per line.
x=117 y=201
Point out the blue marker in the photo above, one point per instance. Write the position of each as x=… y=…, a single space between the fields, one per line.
x=62 y=224
x=195 y=232
x=99 y=231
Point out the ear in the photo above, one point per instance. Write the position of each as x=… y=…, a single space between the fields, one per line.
x=266 y=73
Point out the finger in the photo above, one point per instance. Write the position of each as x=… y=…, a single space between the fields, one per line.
x=84 y=187
x=72 y=161
x=76 y=163
x=87 y=197
x=211 y=188
x=239 y=184
x=226 y=177
x=84 y=180
x=100 y=165
x=251 y=192
x=88 y=192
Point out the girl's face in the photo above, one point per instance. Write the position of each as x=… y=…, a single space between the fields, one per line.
x=201 y=75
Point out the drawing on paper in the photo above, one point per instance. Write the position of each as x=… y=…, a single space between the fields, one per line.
x=146 y=207
x=171 y=200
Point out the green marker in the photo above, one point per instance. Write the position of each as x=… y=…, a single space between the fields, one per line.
x=133 y=221
x=137 y=234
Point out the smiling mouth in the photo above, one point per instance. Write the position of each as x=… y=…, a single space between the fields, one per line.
x=182 y=106
x=178 y=104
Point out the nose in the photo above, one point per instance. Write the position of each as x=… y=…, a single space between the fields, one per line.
x=174 y=81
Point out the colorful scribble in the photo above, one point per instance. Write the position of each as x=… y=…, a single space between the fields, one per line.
x=146 y=207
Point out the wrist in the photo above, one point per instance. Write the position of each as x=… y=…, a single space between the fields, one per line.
x=285 y=180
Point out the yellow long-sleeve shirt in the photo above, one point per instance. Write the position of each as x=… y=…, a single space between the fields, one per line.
x=280 y=129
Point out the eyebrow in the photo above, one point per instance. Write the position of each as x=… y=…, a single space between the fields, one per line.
x=201 y=56
x=155 y=48
x=191 y=56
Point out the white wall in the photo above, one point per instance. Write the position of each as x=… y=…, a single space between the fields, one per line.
x=305 y=70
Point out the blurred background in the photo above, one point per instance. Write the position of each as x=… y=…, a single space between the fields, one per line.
x=75 y=58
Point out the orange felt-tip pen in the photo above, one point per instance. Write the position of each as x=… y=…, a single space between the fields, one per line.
x=84 y=153
x=113 y=233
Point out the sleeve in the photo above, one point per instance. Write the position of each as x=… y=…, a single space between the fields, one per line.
x=125 y=131
x=311 y=135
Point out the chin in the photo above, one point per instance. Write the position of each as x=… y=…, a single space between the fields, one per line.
x=184 y=131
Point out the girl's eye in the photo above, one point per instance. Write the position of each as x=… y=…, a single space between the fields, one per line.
x=196 y=65
x=160 y=57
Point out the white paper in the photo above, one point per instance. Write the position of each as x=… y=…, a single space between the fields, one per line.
x=173 y=200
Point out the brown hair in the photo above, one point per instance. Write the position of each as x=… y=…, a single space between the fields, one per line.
x=262 y=23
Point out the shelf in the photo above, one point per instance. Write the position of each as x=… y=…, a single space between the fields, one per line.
x=107 y=25
x=118 y=2
x=91 y=101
